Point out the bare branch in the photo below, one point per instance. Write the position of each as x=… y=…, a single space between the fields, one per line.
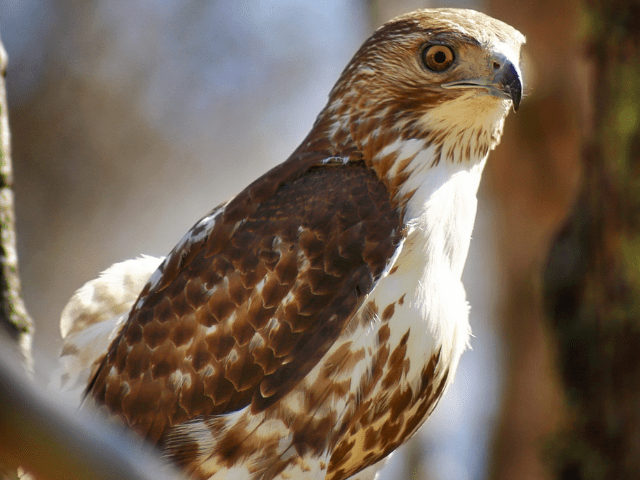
x=53 y=442
x=14 y=318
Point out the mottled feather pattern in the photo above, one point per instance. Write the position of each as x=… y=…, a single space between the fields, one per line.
x=92 y=317
x=307 y=327
x=249 y=317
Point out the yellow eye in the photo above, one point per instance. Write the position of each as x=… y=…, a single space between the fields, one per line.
x=438 y=57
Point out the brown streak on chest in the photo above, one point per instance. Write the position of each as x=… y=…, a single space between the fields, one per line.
x=384 y=422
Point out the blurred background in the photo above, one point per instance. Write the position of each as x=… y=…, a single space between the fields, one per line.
x=131 y=120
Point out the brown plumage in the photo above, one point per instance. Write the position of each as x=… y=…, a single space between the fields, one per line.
x=243 y=283
x=307 y=327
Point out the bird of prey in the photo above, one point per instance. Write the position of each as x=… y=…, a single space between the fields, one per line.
x=307 y=327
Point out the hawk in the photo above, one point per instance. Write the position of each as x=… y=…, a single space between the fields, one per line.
x=307 y=327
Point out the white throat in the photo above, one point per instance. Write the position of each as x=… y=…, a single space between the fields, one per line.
x=442 y=202
x=442 y=208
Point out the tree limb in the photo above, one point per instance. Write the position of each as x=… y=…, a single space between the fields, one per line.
x=53 y=442
x=14 y=318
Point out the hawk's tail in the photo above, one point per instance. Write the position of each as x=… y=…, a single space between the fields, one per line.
x=92 y=318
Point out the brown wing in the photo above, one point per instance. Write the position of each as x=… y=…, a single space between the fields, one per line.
x=240 y=317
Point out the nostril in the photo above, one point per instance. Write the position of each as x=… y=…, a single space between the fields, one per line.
x=496 y=66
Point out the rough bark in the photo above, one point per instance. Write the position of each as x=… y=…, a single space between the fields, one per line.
x=592 y=278
x=14 y=318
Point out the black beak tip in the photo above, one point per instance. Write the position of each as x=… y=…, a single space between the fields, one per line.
x=513 y=85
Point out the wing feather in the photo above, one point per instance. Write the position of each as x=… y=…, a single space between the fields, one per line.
x=242 y=315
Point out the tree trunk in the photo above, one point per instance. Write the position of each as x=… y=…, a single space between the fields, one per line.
x=592 y=278
x=533 y=176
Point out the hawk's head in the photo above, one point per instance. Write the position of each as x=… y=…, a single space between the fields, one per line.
x=445 y=76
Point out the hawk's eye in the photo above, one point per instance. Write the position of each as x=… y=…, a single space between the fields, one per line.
x=438 y=57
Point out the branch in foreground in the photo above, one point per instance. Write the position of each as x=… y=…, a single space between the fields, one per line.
x=51 y=441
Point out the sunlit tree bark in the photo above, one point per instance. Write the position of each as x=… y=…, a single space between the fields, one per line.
x=14 y=318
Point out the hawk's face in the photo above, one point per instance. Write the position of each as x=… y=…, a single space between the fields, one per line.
x=431 y=79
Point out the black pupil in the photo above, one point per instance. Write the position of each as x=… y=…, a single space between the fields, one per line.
x=440 y=57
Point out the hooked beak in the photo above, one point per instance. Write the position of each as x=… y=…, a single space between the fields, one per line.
x=506 y=81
